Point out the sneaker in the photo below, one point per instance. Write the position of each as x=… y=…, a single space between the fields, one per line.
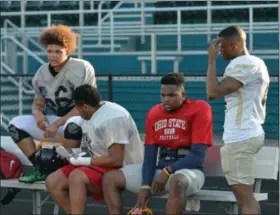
x=33 y=177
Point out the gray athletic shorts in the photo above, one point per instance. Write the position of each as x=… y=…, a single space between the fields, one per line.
x=133 y=177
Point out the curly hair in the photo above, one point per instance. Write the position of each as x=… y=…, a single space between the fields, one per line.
x=59 y=35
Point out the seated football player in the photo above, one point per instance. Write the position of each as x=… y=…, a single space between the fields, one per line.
x=110 y=136
x=178 y=132
x=53 y=112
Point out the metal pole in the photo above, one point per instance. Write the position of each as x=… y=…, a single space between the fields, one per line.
x=142 y=22
x=110 y=87
x=49 y=19
x=153 y=54
x=209 y=20
x=251 y=20
x=81 y=22
x=20 y=96
x=5 y=43
x=278 y=65
x=24 y=39
x=80 y=46
x=81 y=14
x=179 y=36
x=91 y=5
x=112 y=32
x=100 y=22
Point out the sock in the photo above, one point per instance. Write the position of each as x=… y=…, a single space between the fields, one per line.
x=32 y=159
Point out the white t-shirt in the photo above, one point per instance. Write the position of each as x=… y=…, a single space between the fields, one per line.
x=246 y=108
x=110 y=124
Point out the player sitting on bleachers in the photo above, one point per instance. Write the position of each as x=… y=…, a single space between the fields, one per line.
x=53 y=108
x=112 y=139
x=182 y=130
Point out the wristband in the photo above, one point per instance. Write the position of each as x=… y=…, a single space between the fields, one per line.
x=80 y=161
x=166 y=171
x=145 y=187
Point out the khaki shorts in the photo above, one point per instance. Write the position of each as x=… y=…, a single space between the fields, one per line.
x=239 y=160
x=133 y=177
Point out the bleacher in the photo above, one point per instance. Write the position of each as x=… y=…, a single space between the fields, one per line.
x=117 y=50
x=123 y=60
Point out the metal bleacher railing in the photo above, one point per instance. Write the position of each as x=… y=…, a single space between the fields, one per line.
x=115 y=26
x=109 y=27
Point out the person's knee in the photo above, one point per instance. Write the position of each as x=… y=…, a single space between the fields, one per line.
x=56 y=182
x=113 y=179
x=178 y=184
x=77 y=177
x=75 y=119
x=244 y=194
x=15 y=132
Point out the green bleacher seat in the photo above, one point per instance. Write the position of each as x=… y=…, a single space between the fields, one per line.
x=15 y=5
x=68 y=5
x=5 y=6
x=49 y=5
x=218 y=16
x=33 y=5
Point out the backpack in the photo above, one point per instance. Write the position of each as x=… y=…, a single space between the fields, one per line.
x=10 y=168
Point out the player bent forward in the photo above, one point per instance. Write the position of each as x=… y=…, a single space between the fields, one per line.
x=53 y=112
x=112 y=138
x=182 y=130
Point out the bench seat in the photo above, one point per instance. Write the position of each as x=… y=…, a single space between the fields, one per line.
x=220 y=196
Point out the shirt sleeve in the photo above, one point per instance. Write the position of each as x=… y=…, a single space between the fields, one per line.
x=149 y=129
x=37 y=91
x=244 y=73
x=116 y=130
x=89 y=75
x=202 y=125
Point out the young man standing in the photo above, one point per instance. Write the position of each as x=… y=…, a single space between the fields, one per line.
x=245 y=86
x=181 y=130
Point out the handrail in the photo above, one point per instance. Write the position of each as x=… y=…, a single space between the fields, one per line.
x=13 y=80
x=40 y=60
x=101 y=20
x=113 y=31
x=185 y=28
x=143 y=27
x=3 y=122
x=9 y=22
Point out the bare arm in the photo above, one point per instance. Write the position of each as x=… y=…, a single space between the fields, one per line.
x=67 y=143
x=38 y=106
x=115 y=157
x=61 y=121
x=214 y=88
